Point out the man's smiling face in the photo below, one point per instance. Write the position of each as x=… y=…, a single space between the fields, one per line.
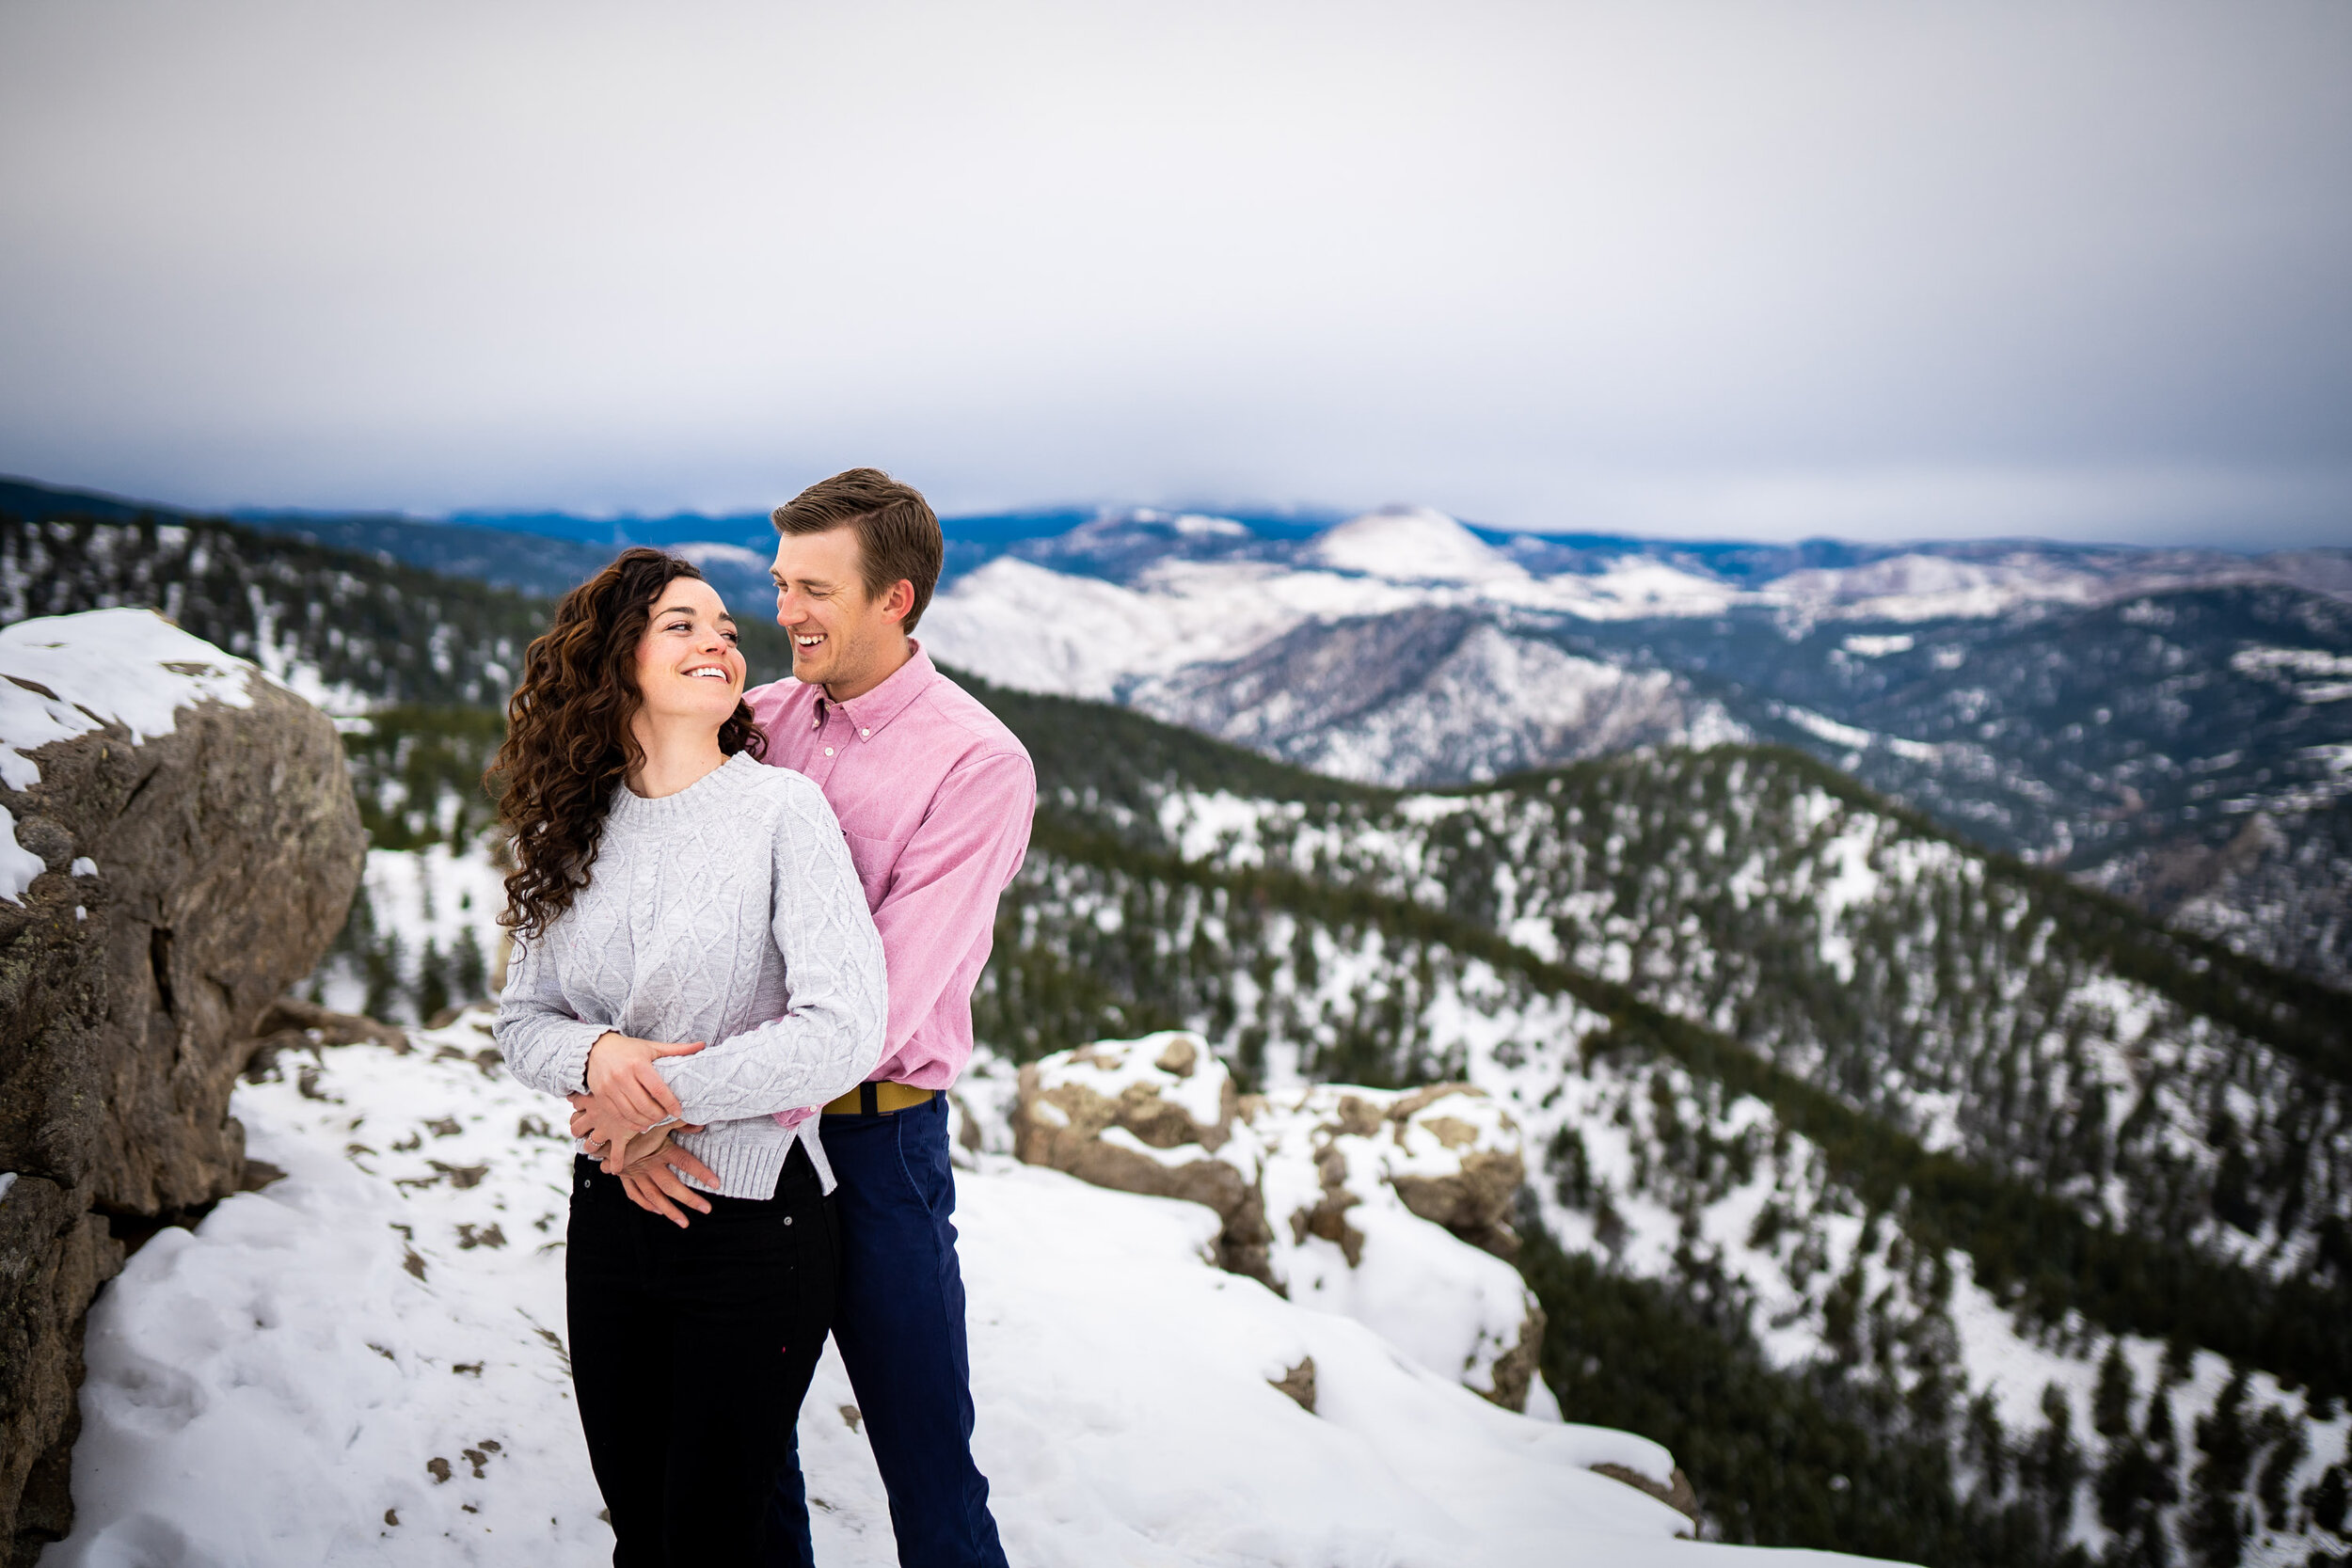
x=842 y=638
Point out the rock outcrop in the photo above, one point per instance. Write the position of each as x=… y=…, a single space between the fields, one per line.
x=1151 y=1115
x=178 y=844
x=1350 y=1200
x=1373 y=1194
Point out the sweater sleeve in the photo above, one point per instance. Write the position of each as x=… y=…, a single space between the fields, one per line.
x=830 y=1034
x=544 y=1042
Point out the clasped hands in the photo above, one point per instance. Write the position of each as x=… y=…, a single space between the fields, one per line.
x=628 y=1114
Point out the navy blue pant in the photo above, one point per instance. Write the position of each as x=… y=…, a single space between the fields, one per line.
x=899 y=1319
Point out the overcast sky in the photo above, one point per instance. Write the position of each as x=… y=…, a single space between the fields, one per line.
x=1738 y=269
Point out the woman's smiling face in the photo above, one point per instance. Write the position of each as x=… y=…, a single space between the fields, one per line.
x=688 y=665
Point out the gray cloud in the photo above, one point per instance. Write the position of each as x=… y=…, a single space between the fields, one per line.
x=1677 y=267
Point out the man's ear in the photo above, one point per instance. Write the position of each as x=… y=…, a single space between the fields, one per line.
x=898 y=600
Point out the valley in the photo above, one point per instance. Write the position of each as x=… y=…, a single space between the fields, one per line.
x=1925 y=1200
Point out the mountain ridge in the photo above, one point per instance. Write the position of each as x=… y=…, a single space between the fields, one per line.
x=1878 y=1114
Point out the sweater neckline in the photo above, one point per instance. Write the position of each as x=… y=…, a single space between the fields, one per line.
x=722 y=782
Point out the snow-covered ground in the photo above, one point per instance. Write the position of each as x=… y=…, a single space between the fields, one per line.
x=364 y=1363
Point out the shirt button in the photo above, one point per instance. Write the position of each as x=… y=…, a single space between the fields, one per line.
x=814 y=722
x=865 y=734
x=828 y=750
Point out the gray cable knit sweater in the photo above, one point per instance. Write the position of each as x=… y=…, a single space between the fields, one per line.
x=727 y=912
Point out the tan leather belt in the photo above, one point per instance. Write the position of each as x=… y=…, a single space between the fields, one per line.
x=877 y=1099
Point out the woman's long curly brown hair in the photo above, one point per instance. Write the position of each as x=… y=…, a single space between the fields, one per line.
x=567 y=733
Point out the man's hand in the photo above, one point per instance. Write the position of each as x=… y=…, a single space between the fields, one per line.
x=621 y=1076
x=651 y=1177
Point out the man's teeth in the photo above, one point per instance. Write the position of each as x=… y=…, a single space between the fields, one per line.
x=809 y=641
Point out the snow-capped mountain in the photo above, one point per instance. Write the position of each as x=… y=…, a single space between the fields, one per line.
x=1923 y=1202
x=2170 y=724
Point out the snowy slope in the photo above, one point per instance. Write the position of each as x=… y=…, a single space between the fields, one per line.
x=364 y=1363
x=2165 y=723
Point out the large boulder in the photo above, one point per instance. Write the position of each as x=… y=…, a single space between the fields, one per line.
x=1390 y=1207
x=177 y=844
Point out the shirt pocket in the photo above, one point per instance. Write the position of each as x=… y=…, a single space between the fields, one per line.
x=875 y=859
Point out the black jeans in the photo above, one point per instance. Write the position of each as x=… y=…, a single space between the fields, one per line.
x=691 y=1351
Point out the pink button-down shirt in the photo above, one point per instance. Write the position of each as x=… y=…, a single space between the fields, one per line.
x=934 y=795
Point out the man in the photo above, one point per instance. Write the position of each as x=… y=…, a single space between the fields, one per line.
x=935 y=797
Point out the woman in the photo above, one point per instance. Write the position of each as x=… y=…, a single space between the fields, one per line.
x=691 y=948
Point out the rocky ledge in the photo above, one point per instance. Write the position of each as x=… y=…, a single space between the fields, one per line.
x=178 y=844
x=1388 y=1206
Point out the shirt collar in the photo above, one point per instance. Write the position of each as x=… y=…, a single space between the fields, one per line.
x=890 y=699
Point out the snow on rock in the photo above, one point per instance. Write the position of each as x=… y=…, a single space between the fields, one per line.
x=365 y=1363
x=1390 y=1207
x=1373 y=1195
x=70 y=675
x=1153 y=1116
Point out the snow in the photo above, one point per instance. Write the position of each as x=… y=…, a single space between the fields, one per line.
x=379 y=1338
x=1413 y=544
x=705 y=553
x=2308 y=663
x=1450 y=1306
x=130 y=666
x=1823 y=727
x=1916 y=587
x=18 y=864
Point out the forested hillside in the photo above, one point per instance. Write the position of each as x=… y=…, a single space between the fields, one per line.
x=1925 y=1203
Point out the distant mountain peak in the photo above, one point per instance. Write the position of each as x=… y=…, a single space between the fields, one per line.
x=1412 y=543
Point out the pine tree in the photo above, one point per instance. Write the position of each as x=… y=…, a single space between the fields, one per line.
x=2054 y=1463
x=2111 y=1401
x=2287 y=1443
x=2214 y=1531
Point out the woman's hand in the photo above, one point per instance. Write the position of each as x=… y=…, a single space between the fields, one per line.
x=590 y=1117
x=621 y=1077
x=651 y=1179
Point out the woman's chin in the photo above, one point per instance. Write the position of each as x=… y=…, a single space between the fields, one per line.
x=707 y=707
